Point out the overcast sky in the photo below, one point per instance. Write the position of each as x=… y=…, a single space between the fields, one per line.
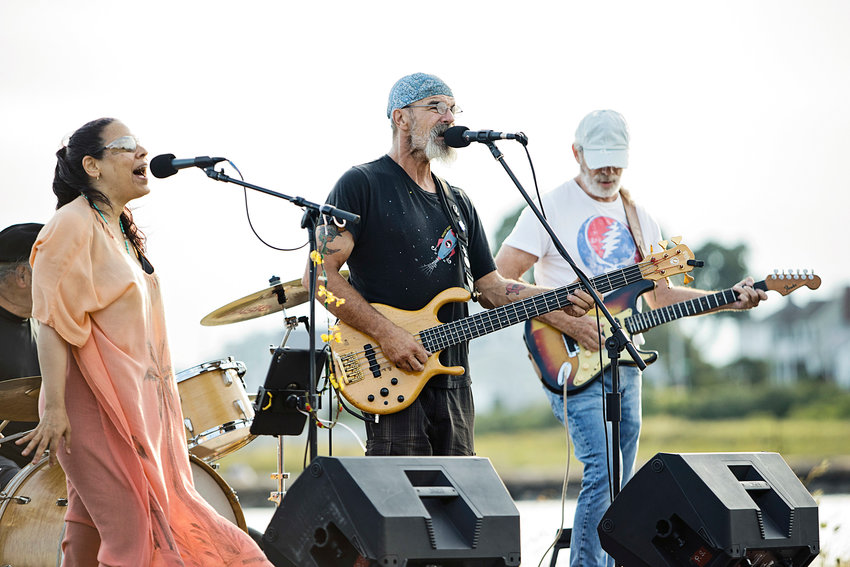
x=738 y=113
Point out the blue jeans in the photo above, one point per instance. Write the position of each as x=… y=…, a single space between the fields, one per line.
x=588 y=429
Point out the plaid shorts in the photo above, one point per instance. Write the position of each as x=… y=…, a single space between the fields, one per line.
x=439 y=422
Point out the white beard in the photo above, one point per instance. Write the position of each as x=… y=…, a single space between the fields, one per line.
x=597 y=190
x=434 y=149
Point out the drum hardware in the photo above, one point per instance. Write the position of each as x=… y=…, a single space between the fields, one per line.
x=16 y=499
x=241 y=408
x=13 y=437
x=277 y=495
x=290 y=323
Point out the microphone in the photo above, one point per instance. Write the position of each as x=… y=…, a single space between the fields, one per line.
x=165 y=165
x=460 y=137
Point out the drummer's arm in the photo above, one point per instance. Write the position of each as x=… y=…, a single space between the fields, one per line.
x=398 y=345
x=53 y=353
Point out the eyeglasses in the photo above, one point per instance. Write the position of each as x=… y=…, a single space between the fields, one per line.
x=123 y=144
x=440 y=108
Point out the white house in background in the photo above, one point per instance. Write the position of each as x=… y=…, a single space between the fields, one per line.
x=812 y=340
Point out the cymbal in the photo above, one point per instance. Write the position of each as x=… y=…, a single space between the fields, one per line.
x=264 y=302
x=19 y=398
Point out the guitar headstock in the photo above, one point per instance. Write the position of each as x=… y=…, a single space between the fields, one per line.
x=668 y=261
x=785 y=283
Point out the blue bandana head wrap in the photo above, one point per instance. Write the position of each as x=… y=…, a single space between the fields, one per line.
x=415 y=87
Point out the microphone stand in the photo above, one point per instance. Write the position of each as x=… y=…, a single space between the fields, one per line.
x=614 y=344
x=309 y=221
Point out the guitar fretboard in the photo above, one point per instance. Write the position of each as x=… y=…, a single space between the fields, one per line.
x=640 y=322
x=480 y=324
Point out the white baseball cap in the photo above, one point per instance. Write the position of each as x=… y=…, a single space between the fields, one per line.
x=604 y=138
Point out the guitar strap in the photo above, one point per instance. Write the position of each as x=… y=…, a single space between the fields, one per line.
x=452 y=210
x=634 y=223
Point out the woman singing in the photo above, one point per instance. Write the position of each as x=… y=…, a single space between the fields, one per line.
x=107 y=379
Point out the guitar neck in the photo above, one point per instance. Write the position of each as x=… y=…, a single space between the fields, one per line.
x=480 y=324
x=640 y=322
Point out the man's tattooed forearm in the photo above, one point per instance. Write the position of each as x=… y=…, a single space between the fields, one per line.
x=513 y=289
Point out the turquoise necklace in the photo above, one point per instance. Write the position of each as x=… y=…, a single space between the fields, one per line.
x=120 y=224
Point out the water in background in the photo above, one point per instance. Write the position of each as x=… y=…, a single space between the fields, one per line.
x=540 y=520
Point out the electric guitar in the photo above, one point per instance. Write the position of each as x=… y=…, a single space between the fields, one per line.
x=558 y=357
x=373 y=384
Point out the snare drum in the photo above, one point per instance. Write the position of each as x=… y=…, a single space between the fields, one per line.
x=32 y=511
x=216 y=410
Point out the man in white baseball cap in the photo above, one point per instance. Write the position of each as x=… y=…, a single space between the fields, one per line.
x=603 y=230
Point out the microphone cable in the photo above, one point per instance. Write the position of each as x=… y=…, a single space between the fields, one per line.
x=534 y=178
x=251 y=224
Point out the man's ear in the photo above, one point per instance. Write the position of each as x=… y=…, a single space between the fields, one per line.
x=401 y=119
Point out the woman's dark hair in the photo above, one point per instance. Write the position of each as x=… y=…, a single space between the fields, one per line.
x=70 y=180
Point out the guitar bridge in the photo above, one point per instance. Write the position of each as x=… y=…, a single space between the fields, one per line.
x=348 y=366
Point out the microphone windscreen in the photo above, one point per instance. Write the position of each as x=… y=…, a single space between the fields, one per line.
x=454 y=137
x=161 y=166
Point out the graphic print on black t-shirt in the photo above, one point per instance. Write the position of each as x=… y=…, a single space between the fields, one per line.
x=444 y=250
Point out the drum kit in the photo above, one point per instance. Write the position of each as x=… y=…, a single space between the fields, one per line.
x=217 y=415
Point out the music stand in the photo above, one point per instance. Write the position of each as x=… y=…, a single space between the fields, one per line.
x=285 y=391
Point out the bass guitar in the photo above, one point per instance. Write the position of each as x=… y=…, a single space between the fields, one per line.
x=373 y=384
x=558 y=358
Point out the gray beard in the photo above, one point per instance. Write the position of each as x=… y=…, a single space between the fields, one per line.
x=594 y=189
x=432 y=148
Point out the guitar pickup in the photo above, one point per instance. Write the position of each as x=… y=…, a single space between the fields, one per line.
x=373 y=362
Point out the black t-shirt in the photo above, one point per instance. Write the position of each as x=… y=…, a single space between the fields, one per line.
x=405 y=250
x=18 y=359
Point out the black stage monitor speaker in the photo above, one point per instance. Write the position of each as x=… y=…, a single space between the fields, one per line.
x=712 y=510
x=395 y=511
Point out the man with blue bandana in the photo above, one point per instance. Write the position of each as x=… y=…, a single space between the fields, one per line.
x=588 y=213
x=403 y=253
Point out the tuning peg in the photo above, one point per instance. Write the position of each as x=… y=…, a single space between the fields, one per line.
x=663 y=244
x=676 y=240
